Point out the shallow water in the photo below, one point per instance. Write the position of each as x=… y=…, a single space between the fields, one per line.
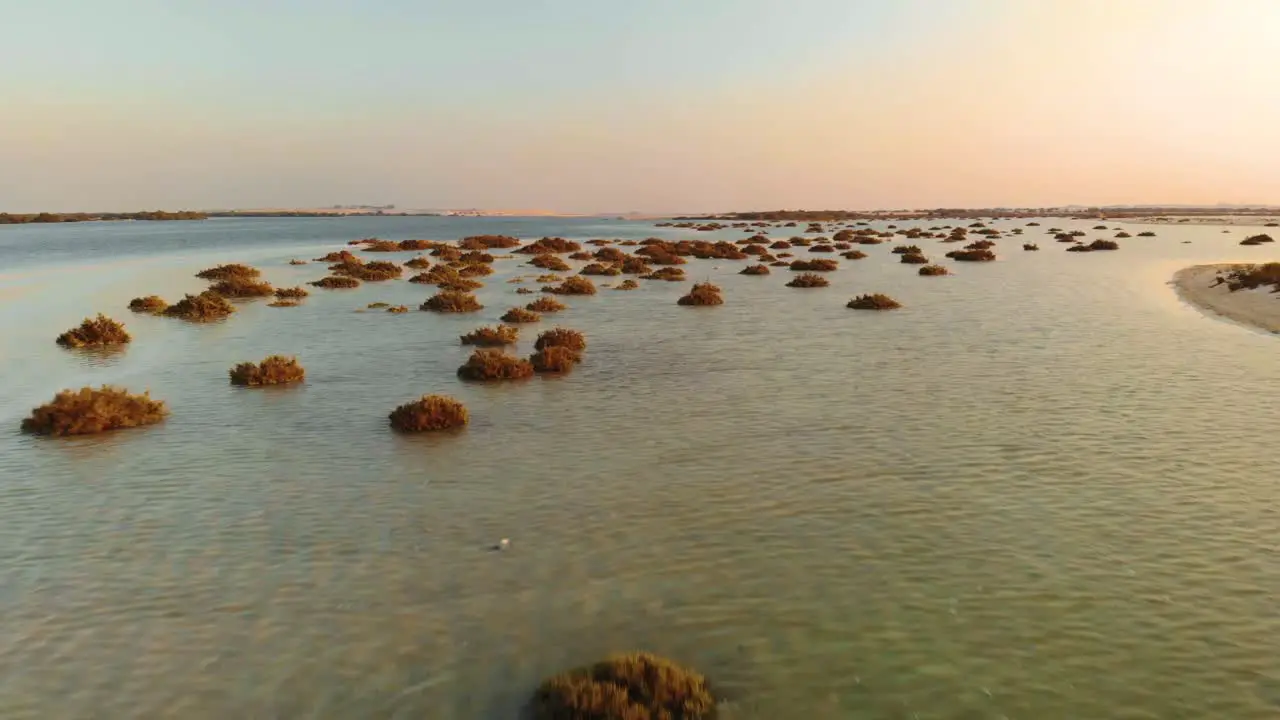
x=1043 y=489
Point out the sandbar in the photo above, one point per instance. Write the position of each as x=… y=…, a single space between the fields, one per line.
x=1257 y=308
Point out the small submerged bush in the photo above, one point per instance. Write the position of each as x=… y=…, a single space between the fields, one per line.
x=546 y=305
x=815 y=265
x=982 y=255
x=293 y=293
x=99 y=331
x=488 y=242
x=148 y=304
x=668 y=273
x=555 y=359
x=576 y=285
x=561 y=337
x=474 y=270
x=1032 y=247
x=874 y=301
x=631 y=687
x=853 y=255
x=274 y=370
x=494 y=365
x=296 y=261
x=226 y=272
x=204 y=307
x=1146 y=233
x=460 y=284
x=755 y=270
x=1104 y=245
x=429 y=413
x=452 y=301
x=494 y=336
x=702 y=294
x=600 y=269
x=418 y=263
x=382 y=246
x=398 y=309
x=1257 y=239
x=520 y=315
x=934 y=270
x=550 y=262
x=808 y=280
x=913 y=259
x=242 y=287
x=93 y=410
x=282 y=303
x=341 y=256
x=627 y=284
x=336 y=282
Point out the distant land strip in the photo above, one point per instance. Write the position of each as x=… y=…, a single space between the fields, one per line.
x=1064 y=212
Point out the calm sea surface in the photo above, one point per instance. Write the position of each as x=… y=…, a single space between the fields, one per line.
x=1043 y=489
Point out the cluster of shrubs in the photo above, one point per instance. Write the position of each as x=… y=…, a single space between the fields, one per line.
x=429 y=413
x=520 y=315
x=638 y=686
x=702 y=294
x=576 y=285
x=627 y=284
x=1250 y=277
x=336 y=282
x=546 y=305
x=452 y=301
x=815 y=265
x=874 y=301
x=1257 y=239
x=274 y=370
x=808 y=280
x=982 y=255
x=149 y=304
x=93 y=410
x=100 y=331
x=549 y=245
x=495 y=336
x=205 y=307
x=755 y=270
x=1095 y=245
x=934 y=270
x=670 y=274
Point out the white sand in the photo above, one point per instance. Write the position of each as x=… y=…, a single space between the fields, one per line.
x=1257 y=308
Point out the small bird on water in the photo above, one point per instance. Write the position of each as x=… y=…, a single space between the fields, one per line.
x=503 y=544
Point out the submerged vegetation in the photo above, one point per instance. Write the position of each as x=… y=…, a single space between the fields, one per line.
x=575 y=285
x=93 y=410
x=632 y=687
x=494 y=336
x=555 y=359
x=561 y=337
x=274 y=370
x=1257 y=239
x=100 y=331
x=204 y=307
x=148 y=304
x=808 y=280
x=546 y=305
x=226 y=272
x=242 y=287
x=488 y=364
x=815 y=265
x=429 y=413
x=874 y=301
x=755 y=270
x=336 y=282
x=702 y=294
x=293 y=293
x=520 y=315
x=934 y=270
x=452 y=301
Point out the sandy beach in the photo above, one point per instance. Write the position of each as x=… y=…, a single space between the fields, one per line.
x=1257 y=308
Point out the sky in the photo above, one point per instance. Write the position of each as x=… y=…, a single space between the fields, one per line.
x=655 y=106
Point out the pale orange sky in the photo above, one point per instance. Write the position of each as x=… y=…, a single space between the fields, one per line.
x=584 y=107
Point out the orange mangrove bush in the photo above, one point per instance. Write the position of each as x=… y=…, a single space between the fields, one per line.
x=626 y=687
x=148 y=304
x=576 y=285
x=815 y=265
x=274 y=370
x=627 y=284
x=93 y=410
x=934 y=270
x=755 y=270
x=490 y=364
x=226 y=272
x=546 y=305
x=550 y=262
x=293 y=293
x=452 y=301
x=874 y=301
x=204 y=307
x=561 y=337
x=99 y=331
x=554 y=359
x=520 y=315
x=495 y=336
x=429 y=413
x=336 y=282
x=808 y=280
x=242 y=287
x=670 y=274
x=702 y=294
x=488 y=242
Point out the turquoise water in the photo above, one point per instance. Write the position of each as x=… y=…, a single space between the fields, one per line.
x=1045 y=488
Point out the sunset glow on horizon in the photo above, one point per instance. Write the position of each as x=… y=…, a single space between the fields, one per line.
x=581 y=106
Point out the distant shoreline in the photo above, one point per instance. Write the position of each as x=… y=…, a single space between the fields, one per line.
x=1259 y=309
